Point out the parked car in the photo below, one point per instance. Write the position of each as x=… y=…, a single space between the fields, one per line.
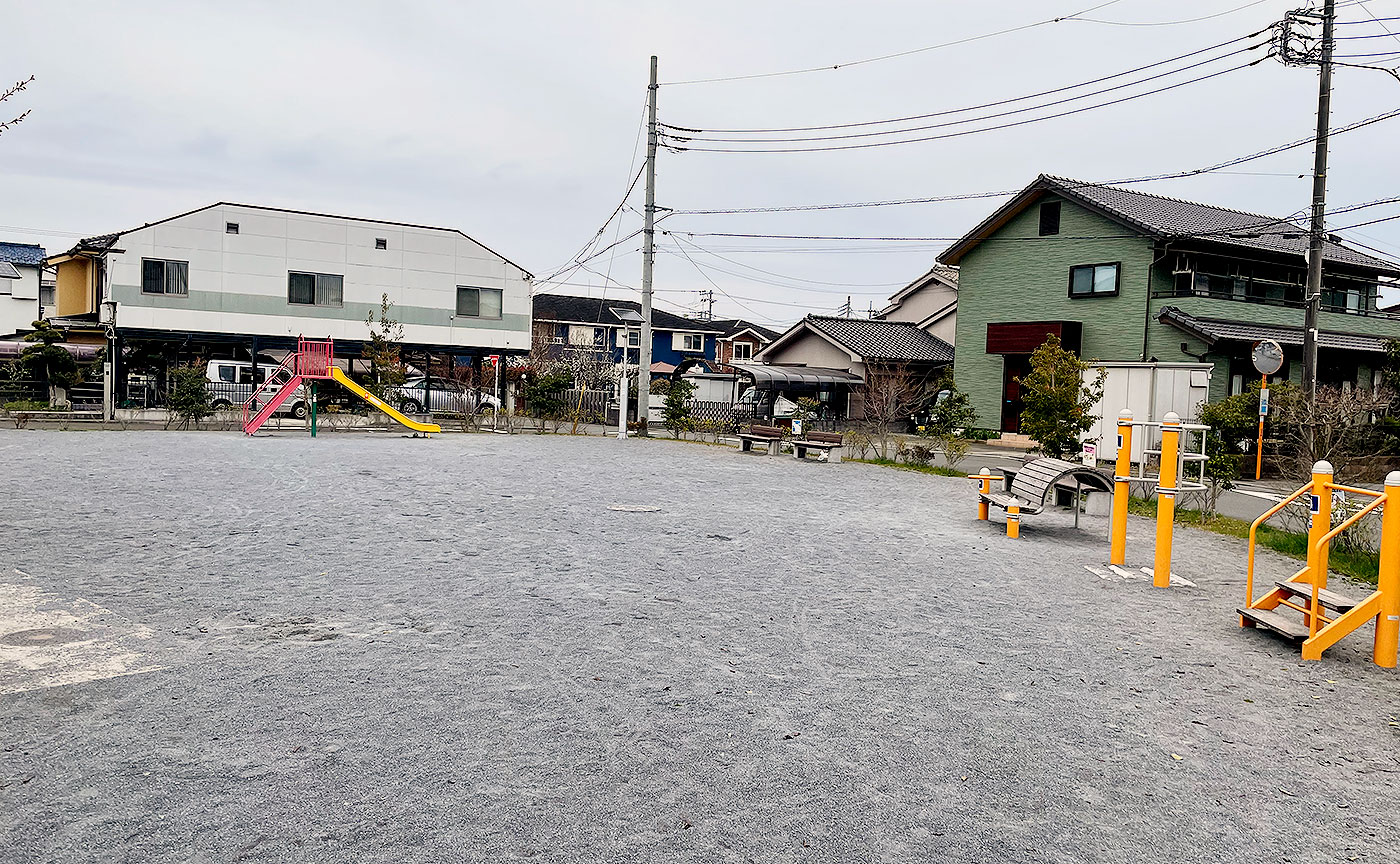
x=441 y=395
x=231 y=384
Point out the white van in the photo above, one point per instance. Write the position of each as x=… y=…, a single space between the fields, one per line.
x=230 y=384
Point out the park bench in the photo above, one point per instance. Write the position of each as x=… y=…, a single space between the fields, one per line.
x=770 y=436
x=828 y=443
x=1030 y=484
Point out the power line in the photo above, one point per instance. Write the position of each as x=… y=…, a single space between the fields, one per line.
x=700 y=248
x=1170 y=23
x=936 y=199
x=994 y=128
x=996 y=104
x=893 y=56
x=946 y=123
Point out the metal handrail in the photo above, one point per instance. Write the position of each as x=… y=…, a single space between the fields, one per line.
x=1355 y=490
x=1327 y=538
x=1254 y=528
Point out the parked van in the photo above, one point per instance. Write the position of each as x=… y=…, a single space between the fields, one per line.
x=230 y=384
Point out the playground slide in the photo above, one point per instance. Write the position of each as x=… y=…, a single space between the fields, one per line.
x=381 y=404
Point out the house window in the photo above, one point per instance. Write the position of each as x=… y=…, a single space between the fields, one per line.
x=630 y=338
x=46 y=294
x=478 y=302
x=583 y=336
x=1049 y=218
x=743 y=350
x=230 y=227
x=381 y=243
x=315 y=289
x=692 y=342
x=1094 y=280
x=165 y=277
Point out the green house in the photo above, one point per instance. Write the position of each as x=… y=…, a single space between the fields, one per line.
x=1125 y=276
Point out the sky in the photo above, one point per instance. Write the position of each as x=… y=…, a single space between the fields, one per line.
x=521 y=124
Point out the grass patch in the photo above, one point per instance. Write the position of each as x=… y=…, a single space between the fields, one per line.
x=939 y=470
x=1358 y=564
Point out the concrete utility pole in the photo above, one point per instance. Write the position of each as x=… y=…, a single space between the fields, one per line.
x=1317 y=233
x=648 y=260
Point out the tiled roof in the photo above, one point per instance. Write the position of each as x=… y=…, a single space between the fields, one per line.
x=729 y=326
x=1210 y=330
x=1173 y=219
x=26 y=254
x=591 y=310
x=884 y=340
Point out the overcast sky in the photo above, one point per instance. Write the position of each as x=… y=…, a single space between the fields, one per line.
x=519 y=124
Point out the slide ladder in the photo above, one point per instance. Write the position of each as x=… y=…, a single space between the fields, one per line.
x=279 y=385
x=1327 y=616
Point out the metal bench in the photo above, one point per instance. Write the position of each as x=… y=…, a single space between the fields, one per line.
x=828 y=443
x=770 y=436
x=1031 y=484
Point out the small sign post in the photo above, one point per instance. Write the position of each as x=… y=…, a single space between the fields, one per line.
x=1268 y=359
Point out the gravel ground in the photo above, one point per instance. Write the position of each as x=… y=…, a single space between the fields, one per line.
x=370 y=648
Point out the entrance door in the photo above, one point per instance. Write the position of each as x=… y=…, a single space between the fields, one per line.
x=1013 y=366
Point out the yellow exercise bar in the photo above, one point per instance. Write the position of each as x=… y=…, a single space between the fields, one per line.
x=1118 y=530
x=1166 y=499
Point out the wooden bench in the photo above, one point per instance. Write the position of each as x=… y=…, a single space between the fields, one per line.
x=827 y=443
x=1031 y=484
x=770 y=436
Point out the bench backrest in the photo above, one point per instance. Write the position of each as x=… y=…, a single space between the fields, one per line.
x=766 y=431
x=824 y=437
x=1034 y=479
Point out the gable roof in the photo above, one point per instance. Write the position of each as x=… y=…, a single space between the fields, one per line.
x=23 y=254
x=592 y=310
x=873 y=339
x=103 y=242
x=1165 y=218
x=939 y=273
x=730 y=327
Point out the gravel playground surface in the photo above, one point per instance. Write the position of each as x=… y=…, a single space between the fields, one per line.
x=488 y=648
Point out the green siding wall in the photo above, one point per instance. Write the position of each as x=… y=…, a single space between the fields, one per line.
x=1009 y=278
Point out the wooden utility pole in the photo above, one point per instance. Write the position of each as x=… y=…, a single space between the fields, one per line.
x=648 y=260
x=1317 y=233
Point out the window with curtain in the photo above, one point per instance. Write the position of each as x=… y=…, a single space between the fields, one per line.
x=315 y=289
x=478 y=302
x=165 y=277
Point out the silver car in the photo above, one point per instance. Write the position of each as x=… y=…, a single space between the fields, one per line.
x=441 y=395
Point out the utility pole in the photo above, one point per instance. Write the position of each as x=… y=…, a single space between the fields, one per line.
x=708 y=298
x=648 y=260
x=1317 y=233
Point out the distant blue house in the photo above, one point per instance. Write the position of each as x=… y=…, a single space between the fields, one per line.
x=614 y=326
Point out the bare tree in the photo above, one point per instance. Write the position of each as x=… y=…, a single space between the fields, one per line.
x=1339 y=426
x=5 y=97
x=892 y=392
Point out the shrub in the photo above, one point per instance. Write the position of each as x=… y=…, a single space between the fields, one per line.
x=677 y=406
x=1058 y=405
x=189 y=396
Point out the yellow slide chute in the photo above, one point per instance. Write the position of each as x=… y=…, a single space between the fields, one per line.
x=381 y=404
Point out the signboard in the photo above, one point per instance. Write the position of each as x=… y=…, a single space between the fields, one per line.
x=1090 y=454
x=797 y=426
x=1314 y=504
x=1264 y=402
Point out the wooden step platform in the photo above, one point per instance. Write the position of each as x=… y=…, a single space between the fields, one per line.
x=1281 y=624
x=1331 y=599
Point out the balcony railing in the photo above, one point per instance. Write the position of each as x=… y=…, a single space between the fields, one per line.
x=1272 y=301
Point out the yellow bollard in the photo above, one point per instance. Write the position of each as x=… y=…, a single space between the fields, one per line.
x=983 y=510
x=1118 y=528
x=1388 y=582
x=1166 y=499
x=1013 y=520
x=1321 y=507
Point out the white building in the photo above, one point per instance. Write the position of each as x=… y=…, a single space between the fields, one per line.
x=261 y=276
x=929 y=303
x=20 y=275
